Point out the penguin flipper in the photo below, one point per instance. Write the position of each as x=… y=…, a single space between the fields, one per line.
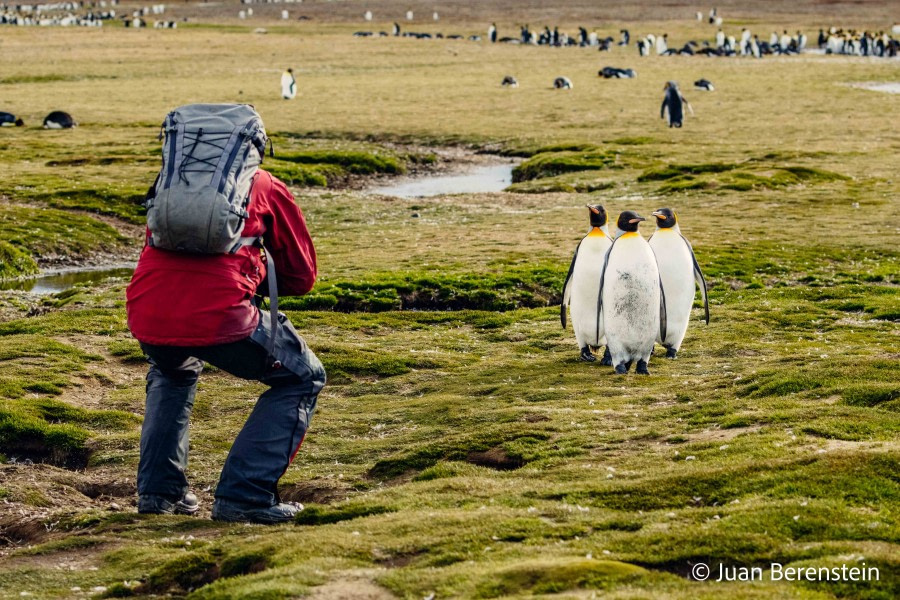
x=663 y=318
x=662 y=109
x=566 y=290
x=698 y=277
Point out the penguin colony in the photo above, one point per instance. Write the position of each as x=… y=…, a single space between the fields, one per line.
x=837 y=41
x=629 y=293
x=63 y=14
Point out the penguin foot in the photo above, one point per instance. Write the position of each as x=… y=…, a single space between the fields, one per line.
x=642 y=368
x=621 y=369
x=587 y=355
x=607 y=358
x=671 y=353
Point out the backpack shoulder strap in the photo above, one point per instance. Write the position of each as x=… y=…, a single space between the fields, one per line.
x=273 y=302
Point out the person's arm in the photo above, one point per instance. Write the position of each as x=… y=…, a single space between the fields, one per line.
x=288 y=239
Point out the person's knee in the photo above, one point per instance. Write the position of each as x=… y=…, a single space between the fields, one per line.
x=185 y=375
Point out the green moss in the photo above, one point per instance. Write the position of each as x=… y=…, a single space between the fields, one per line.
x=553 y=577
x=183 y=573
x=72 y=543
x=567 y=147
x=675 y=171
x=313 y=514
x=582 y=182
x=551 y=164
x=26 y=436
x=861 y=479
x=871 y=394
x=502 y=448
x=532 y=286
x=354 y=162
x=633 y=141
x=127 y=350
x=730 y=176
x=51 y=232
x=15 y=262
x=293 y=174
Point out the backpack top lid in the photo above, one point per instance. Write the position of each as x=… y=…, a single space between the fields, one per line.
x=210 y=155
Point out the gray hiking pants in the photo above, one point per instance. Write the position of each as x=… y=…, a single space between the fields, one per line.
x=270 y=438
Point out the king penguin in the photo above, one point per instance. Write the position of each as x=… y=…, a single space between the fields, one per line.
x=582 y=286
x=288 y=85
x=678 y=269
x=673 y=103
x=631 y=298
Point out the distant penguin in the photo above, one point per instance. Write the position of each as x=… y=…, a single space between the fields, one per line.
x=562 y=83
x=510 y=81
x=396 y=29
x=616 y=73
x=582 y=286
x=662 y=44
x=492 y=33
x=678 y=269
x=643 y=48
x=631 y=298
x=673 y=104
x=288 y=85
x=10 y=120
x=59 y=120
x=704 y=84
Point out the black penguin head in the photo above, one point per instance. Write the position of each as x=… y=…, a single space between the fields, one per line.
x=598 y=215
x=20 y=123
x=670 y=85
x=629 y=221
x=665 y=218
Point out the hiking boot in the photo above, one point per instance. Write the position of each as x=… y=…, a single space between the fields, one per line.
x=153 y=504
x=238 y=512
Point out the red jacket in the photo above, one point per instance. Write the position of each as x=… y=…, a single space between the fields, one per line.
x=178 y=299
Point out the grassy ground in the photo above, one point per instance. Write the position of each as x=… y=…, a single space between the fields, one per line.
x=462 y=450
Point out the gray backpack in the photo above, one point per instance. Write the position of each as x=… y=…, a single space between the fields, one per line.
x=210 y=155
x=199 y=201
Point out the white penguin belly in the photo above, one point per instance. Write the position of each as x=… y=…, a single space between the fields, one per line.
x=631 y=300
x=676 y=270
x=586 y=290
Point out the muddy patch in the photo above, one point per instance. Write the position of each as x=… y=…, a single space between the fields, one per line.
x=495 y=458
x=319 y=492
x=353 y=585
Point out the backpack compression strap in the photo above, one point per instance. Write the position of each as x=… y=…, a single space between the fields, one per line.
x=273 y=291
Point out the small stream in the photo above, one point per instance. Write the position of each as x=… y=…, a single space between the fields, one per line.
x=485 y=178
x=55 y=281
